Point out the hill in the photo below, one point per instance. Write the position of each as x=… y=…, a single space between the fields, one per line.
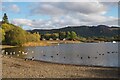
x=84 y=31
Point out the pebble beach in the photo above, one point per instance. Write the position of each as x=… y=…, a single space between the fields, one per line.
x=21 y=68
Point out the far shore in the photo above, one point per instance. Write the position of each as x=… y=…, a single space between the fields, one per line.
x=41 y=43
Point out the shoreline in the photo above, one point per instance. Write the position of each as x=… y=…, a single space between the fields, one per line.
x=19 y=68
x=44 y=43
x=40 y=43
x=6 y=46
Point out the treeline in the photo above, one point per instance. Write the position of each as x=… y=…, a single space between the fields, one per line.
x=15 y=35
x=60 y=36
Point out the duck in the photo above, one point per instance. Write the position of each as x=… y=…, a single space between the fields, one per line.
x=88 y=57
x=10 y=53
x=25 y=53
x=13 y=52
x=6 y=53
x=32 y=58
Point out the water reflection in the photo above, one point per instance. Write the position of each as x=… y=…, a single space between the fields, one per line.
x=98 y=54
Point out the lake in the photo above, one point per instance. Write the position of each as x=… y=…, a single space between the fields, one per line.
x=91 y=54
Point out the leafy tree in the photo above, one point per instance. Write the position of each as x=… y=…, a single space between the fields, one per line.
x=73 y=35
x=30 y=37
x=62 y=35
x=2 y=35
x=47 y=36
x=16 y=36
x=55 y=36
x=5 y=18
x=7 y=27
x=68 y=35
x=36 y=36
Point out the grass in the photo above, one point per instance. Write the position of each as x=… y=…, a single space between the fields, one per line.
x=41 y=43
x=47 y=43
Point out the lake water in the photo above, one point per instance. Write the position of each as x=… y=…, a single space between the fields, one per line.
x=92 y=54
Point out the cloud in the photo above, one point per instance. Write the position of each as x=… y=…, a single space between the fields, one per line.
x=22 y=22
x=12 y=8
x=64 y=14
x=58 y=8
x=46 y=8
x=56 y=22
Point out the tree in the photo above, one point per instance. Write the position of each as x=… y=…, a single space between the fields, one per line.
x=2 y=35
x=5 y=18
x=73 y=35
x=32 y=37
x=55 y=36
x=17 y=36
x=68 y=35
x=36 y=36
x=62 y=35
x=7 y=27
x=47 y=36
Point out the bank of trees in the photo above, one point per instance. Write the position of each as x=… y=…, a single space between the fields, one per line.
x=60 y=36
x=15 y=35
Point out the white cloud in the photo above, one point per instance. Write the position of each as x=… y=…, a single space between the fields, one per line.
x=64 y=14
x=58 y=8
x=22 y=22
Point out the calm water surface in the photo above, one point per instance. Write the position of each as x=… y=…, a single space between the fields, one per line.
x=96 y=54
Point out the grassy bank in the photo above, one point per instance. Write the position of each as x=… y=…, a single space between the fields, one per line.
x=48 y=43
x=41 y=43
x=19 y=68
x=6 y=46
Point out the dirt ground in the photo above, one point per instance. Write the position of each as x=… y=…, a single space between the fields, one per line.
x=20 y=68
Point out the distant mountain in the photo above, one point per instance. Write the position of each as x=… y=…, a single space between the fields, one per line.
x=84 y=31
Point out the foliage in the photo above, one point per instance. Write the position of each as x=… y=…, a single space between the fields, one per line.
x=47 y=36
x=55 y=36
x=16 y=36
x=62 y=35
x=32 y=37
x=7 y=27
x=68 y=35
x=2 y=35
x=73 y=35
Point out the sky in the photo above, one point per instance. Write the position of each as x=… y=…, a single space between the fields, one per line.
x=54 y=15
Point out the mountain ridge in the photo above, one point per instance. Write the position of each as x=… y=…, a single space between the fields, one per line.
x=84 y=31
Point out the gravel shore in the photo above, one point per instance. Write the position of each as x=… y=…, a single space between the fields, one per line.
x=19 y=68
